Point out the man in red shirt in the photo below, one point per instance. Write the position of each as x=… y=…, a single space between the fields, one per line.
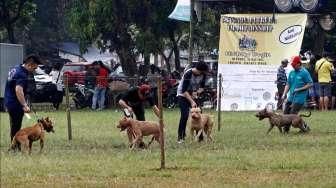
x=101 y=85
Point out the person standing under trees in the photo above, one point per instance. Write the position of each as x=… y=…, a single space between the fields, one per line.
x=101 y=85
x=90 y=77
x=15 y=90
x=56 y=79
x=314 y=90
x=281 y=81
x=192 y=80
x=324 y=68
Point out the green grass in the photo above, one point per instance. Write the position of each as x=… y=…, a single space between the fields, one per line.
x=242 y=155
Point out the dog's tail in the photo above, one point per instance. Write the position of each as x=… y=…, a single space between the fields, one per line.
x=302 y=115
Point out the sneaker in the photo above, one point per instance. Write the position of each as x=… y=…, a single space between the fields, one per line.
x=180 y=141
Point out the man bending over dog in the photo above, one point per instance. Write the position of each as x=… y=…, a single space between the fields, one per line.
x=298 y=83
x=192 y=80
x=133 y=100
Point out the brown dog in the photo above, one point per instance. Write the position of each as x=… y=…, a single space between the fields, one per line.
x=284 y=120
x=200 y=123
x=26 y=136
x=137 y=129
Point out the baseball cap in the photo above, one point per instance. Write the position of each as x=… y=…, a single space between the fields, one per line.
x=285 y=61
x=144 y=89
x=296 y=60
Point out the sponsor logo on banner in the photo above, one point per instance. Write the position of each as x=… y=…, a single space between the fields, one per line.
x=290 y=34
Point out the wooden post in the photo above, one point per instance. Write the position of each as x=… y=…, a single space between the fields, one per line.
x=66 y=81
x=159 y=92
x=219 y=101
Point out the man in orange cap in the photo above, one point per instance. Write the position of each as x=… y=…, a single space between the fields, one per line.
x=298 y=83
x=133 y=100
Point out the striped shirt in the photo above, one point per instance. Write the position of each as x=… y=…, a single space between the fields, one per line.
x=190 y=82
x=281 y=76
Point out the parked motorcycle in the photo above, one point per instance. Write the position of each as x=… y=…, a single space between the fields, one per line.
x=169 y=98
x=207 y=99
x=83 y=96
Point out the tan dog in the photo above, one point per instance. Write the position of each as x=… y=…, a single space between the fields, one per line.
x=137 y=129
x=200 y=123
x=26 y=136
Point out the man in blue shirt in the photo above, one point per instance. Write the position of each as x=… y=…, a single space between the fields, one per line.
x=15 y=90
x=298 y=83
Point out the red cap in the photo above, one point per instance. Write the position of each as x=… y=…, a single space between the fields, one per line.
x=144 y=88
x=296 y=60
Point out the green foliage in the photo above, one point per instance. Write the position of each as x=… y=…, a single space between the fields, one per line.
x=242 y=155
x=16 y=15
x=128 y=27
x=49 y=26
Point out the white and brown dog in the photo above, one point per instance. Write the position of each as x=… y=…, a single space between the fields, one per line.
x=200 y=124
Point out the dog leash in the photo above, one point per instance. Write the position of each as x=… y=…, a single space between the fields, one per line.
x=34 y=112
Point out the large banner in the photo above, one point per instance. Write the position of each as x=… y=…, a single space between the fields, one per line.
x=251 y=48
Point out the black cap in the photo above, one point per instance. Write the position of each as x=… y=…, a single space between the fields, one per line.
x=285 y=61
x=36 y=59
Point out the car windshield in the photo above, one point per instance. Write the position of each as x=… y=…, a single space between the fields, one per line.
x=73 y=68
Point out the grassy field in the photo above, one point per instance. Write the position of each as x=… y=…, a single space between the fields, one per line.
x=242 y=155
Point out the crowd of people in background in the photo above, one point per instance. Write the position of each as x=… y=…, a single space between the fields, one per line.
x=322 y=91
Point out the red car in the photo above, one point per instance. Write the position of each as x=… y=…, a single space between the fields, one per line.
x=75 y=72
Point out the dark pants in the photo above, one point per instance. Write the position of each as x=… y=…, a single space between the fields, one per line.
x=139 y=111
x=281 y=89
x=184 y=105
x=15 y=121
x=291 y=108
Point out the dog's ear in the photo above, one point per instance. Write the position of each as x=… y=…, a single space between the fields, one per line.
x=40 y=121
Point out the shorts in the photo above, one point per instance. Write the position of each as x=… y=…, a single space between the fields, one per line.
x=314 y=90
x=325 y=90
x=333 y=89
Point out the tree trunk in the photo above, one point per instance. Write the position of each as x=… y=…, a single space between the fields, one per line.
x=319 y=41
x=128 y=63
x=156 y=59
x=176 y=51
x=10 y=33
x=146 y=62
